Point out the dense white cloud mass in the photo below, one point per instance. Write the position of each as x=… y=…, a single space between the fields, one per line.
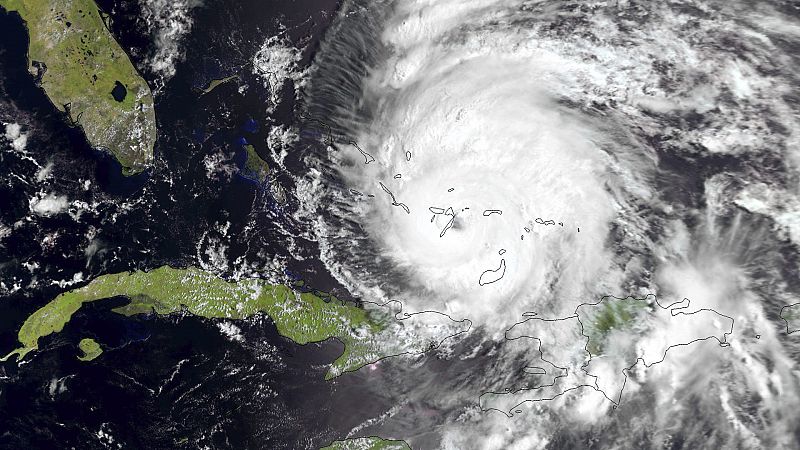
x=49 y=204
x=500 y=160
x=276 y=63
x=169 y=22
x=14 y=134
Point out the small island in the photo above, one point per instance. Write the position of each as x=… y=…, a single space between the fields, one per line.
x=255 y=168
x=90 y=348
x=213 y=84
x=86 y=74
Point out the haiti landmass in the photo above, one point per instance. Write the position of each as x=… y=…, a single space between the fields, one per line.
x=85 y=73
x=596 y=348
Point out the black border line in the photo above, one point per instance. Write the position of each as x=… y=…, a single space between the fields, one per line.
x=674 y=310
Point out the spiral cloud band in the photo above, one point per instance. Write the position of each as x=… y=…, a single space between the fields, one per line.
x=482 y=165
x=510 y=162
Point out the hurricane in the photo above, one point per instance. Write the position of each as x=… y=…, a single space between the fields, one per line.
x=523 y=165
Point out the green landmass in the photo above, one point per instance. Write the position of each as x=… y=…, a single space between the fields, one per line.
x=215 y=83
x=255 y=168
x=368 y=443
x=83 y=64
x=90 y=348
x=301 y=317
x=791 y=315
x=599 y=320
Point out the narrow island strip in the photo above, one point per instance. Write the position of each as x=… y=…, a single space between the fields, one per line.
x=301 y=317
x=368 y=443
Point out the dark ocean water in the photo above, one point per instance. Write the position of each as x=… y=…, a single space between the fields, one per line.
x=163 y=382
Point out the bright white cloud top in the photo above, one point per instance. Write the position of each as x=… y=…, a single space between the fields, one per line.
x=512 y=162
